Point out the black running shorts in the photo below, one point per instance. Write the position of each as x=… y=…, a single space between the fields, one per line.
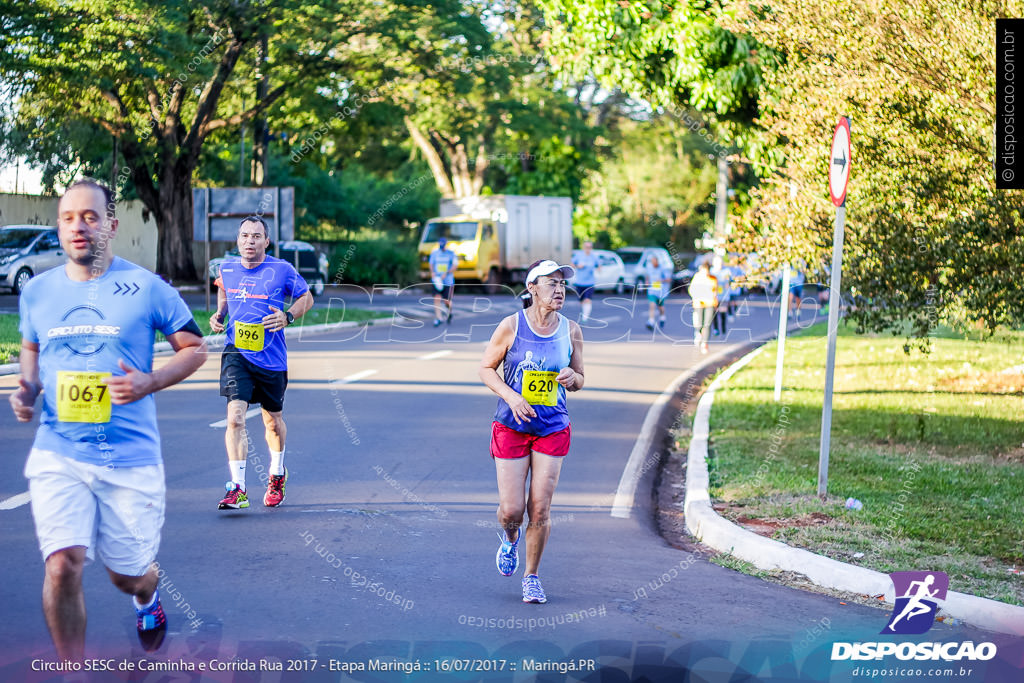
x=243 y=380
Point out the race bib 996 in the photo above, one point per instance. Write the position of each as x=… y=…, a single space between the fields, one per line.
x=249 y=336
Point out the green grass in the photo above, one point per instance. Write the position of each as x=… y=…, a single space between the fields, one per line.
x=931 y=444
x=317 y=316
x=10 y=339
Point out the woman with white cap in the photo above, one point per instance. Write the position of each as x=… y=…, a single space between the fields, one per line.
x=541 y=354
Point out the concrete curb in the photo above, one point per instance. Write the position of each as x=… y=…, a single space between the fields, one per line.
x=659 y=416
x=764 y=553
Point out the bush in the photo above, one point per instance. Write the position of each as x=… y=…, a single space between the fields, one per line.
x=374 y=262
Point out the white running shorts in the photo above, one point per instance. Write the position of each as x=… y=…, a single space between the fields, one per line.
x=117 y=511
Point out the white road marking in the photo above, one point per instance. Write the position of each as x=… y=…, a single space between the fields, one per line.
x=351 y=378
x=639 y=462
x=15 y=501
x=436 y=354
x=224 y=423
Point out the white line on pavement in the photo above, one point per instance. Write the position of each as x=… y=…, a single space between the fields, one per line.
x=15 y=501
x=639 y=462
x=351 y=378
x=224 y=423
x=436 y=354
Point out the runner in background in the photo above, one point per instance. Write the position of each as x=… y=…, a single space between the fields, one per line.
x=659 y=278
x=585 y=265
x=442 y=276
x=703 y=294
x=251 y=295
x=723 y=276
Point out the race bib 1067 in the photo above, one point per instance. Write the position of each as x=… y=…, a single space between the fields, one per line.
x=83 y=397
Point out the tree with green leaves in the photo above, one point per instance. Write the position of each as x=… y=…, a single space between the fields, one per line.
x=672 y=54
x=928 y=236
x=653 y=187
x=161 y=77
x=488 y=116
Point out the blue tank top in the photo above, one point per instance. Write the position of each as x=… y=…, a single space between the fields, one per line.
x=530 y=367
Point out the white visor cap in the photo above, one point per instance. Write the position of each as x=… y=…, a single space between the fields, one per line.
x=547 y=268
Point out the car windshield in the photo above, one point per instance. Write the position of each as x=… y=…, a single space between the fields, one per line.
x=453 y=231
x=630 y=257
x=17 y=239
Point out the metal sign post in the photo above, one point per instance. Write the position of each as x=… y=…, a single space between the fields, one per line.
x=783 y=324
x=838 y=179
x=206 y=230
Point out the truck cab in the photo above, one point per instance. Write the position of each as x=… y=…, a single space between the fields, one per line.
x=474 y=241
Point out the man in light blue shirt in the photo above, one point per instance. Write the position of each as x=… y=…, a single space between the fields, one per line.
x=442 y=275
x=95 y=471
x=586 y=265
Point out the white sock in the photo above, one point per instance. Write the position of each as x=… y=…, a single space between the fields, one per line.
x=277 y=462
x=237 y=472
x=587 y=305
x=139 y=605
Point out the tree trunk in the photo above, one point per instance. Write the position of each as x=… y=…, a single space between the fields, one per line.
x=174 y=224
x=259 y=128
x=441 y=179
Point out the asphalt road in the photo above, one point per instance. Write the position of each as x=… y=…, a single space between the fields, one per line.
x=384 y=548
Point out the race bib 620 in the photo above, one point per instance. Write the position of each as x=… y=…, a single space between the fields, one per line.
x=540 y=387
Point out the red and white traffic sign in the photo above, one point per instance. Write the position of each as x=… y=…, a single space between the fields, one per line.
x=839 y=164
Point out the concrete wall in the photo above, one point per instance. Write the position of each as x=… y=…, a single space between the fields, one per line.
x=136 y=232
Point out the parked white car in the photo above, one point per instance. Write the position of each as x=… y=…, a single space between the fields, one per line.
x=610 y=273
x=636 y=260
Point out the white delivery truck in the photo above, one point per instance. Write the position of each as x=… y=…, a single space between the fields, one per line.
x=497 y=237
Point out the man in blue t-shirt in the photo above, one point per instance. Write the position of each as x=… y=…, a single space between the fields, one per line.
x=585 y=264
x=95 y=472
x=251 y=295
x=442 y=276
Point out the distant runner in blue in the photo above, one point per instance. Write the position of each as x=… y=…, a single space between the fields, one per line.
x=660 y=278
x=443 y=263
x=251 y=298
x=96 y=475
x=586 y=264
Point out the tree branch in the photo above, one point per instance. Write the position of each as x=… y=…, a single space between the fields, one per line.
x=434 y=161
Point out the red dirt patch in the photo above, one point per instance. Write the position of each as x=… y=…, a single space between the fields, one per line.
x=767 y=526
x=985 y=383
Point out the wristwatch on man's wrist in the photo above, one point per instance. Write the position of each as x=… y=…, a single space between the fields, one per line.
x=289 y=316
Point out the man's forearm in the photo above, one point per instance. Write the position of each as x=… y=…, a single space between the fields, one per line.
x=301 y=306
x=185 y=361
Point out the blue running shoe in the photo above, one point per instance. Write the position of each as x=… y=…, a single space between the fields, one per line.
x=508 y=554
x=532 y=592
x=151 y=624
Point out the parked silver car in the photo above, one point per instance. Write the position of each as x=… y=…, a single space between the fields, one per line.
x=26 y=251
